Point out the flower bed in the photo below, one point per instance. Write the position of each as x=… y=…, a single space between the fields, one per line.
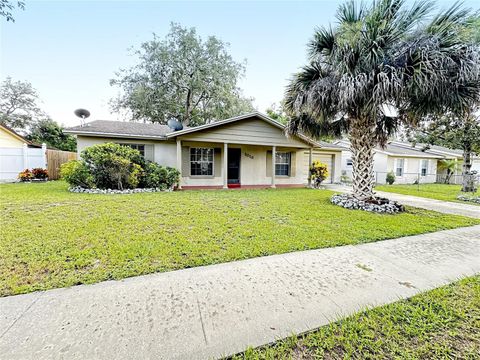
x=378 y=205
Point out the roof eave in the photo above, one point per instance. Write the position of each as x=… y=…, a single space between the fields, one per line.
x=115 y=135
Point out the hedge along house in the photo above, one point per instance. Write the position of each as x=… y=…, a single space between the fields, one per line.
x=250 y=150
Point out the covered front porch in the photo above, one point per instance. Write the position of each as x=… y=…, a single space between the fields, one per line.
x=217 y=165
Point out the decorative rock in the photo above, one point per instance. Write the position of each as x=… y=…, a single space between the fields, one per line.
x=378 y=205
x=78 y=189
x=473 y=198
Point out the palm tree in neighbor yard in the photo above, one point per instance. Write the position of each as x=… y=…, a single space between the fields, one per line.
x=381 y=66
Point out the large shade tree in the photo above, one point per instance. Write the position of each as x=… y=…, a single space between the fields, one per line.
x=183 y=77
x=381 y=66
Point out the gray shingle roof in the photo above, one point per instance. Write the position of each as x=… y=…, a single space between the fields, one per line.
x=121 y=128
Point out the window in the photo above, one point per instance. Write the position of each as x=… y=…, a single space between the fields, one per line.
x=201 y=161
x=139 y=147
x=399 y=168
x=282 y=163
x=424 y=167
x=349 y=162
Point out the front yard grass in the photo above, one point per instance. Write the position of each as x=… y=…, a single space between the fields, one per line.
x=444 y=192
x=439 y=324
x=53 y=238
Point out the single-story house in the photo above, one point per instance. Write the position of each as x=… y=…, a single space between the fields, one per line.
x=18 y=154
x=410 y=163
x=250 y=150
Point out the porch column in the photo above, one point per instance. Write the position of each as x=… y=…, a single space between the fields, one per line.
x=310 y=158
x=274 y=151
x=179 y=161
x=225 y=165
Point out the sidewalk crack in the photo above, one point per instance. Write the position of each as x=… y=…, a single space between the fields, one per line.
x=21 y=315
x=201 y=321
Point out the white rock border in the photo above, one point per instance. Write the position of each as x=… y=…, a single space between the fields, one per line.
x=78 y=189
x=468 y=198
x=347 y=201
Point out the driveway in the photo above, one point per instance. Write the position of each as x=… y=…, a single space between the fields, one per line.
x=446 y=207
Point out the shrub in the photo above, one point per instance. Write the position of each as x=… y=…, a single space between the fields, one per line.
x=390 y=178
x=318 y=172
x=114 y=166
x=157 y=176
x=39 y=173
x=25 y=175
x=76 y=173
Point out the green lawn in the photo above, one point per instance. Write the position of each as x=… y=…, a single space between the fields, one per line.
x=433 y=191
x=440 y=324
x=53 y=238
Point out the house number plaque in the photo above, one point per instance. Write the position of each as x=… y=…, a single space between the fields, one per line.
x=250 y=156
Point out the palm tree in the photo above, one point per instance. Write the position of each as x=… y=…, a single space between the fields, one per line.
x=380 y=67
x=450 y=166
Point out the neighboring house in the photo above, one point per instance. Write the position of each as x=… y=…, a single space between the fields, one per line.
x=235 y=152
x=17 y=154
x=409 y=163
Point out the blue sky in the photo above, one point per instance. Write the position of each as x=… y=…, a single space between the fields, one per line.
x=69 y=50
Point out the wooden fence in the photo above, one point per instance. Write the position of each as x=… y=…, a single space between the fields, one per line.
x=55 y=158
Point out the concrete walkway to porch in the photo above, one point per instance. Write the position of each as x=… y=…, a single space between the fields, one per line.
x=211 y=311
x=446 y=207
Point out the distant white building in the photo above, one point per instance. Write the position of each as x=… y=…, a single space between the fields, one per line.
x=409 y=163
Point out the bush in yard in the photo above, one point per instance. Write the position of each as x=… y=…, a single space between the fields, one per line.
x=114 y=166
x=318 y=172
x=25 y=175
x=157 y=176
x=390 y=178
x=39 y=173
x=76 y=173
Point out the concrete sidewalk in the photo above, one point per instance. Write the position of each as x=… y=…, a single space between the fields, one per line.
x=446 y=207
x=217 y=310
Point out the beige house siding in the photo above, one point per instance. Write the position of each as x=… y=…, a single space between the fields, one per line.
x=8 y=140
x=255 y=138
x=249 y=132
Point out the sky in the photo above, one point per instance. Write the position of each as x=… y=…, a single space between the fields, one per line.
x=69 y=50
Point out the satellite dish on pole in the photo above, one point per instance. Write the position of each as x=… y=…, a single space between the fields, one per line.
x=82 y=114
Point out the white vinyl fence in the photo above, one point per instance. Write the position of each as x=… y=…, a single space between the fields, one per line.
x=15 y=160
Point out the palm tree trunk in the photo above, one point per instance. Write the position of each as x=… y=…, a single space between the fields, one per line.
x=362 y=144
x=468 y=183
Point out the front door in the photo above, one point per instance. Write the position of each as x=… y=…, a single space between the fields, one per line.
x=234 y=166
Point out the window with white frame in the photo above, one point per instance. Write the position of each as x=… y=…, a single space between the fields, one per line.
x=424 y=167
x=139 y=147
x=282 y=163
x=201 y=161
x=400 y=167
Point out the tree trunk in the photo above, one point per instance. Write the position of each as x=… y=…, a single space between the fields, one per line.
x=468 y=181
x=362 y=144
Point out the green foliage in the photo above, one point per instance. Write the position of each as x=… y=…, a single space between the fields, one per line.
x=90 y=238
x=51 y=133
x=18 y=104
x=113 y=165
x=157 y=176
x=7 y=6
x=318 y=172
x=184 y=77
x=76 y=173
x=390 y=178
